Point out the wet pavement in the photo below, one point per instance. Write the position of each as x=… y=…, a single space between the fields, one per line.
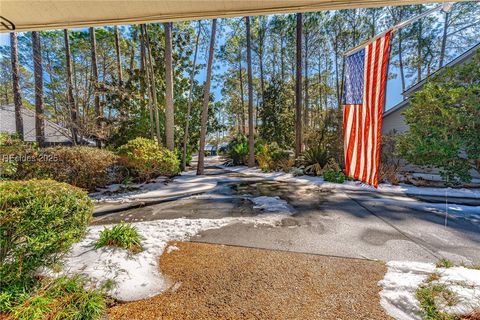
x=329 y=222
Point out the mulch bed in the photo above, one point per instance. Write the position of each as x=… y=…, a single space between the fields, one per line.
x=225 y=282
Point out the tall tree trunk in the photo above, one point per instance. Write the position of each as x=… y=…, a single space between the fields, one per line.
x=282 y=58
x=261 y=48
x=251 y=138
x=189 y=104
x=206 y=99
x=38 y=71
x=153 y=86
x=17 y=94
x=94 y=80
x=70 y=98
x=400 y=59
x=119 y=57
x=444 y=39
x=298 y=88
x=242 y=113
x=419 y=51
x=169 y=117
x=306 y=115
x=145 y=85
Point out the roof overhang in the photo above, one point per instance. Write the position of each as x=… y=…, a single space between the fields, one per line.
x=28 y=15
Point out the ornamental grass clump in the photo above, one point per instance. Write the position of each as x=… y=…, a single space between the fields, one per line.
x=62 y=298
x=122 y=235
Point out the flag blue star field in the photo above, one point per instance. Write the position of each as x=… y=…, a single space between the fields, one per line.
x=363 y=99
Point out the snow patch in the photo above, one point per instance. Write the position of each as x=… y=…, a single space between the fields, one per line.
x=271 y=204
x=403 y=278
x=137 y=276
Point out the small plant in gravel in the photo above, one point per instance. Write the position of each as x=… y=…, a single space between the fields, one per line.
x=122 y=235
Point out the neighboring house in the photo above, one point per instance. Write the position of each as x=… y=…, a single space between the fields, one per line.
x=394 y=122
x=54 y=133
x=393 y=119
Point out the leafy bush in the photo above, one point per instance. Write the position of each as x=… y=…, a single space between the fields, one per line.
x=83 y=167
x=444 y=122
x=12 y=149
x=122 y=235
x=315 y=158
x=334 y=176
x=146 y=159
x=61 y=298
x=237 y=150
x=272 y=157
x=39 y=220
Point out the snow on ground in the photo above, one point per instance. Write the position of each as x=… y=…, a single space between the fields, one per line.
x=137 y=276
x=271 y=204
x=358 y=186
x=403 y=278
x=159 y=188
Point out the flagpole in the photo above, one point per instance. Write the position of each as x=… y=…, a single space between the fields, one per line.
x=398 y=26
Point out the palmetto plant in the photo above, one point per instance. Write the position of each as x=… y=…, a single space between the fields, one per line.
x=315 y=158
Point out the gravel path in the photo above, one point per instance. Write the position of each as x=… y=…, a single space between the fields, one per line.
x=227 y=282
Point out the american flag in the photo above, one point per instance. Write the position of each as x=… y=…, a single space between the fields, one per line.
x=364 y=95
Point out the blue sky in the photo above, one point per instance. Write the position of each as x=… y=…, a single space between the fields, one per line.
x=393 y=93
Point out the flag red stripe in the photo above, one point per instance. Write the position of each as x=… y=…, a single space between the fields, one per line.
x=363 y=123
x=351 y=139
x=381 y=102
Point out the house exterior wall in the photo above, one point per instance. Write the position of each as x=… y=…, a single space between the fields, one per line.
x=394 y=121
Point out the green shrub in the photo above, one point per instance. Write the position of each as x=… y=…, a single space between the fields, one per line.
x=146 y=159
x=39 y=220
x=334 y=176
x=315 y=159
x=12 y=150
x=62 y=298
x=122 y=235
x=237 y=150
x=178 y=153
x=83 y=167
x=271 y=157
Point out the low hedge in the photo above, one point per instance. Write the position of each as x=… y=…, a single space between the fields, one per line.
x=146 y=159
x=39 y=220
x=83 y=167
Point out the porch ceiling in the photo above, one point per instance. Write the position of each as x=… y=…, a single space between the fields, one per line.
x=30 y=15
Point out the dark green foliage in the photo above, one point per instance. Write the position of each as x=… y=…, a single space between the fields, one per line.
x=145 y=159
x=39 y=220
x=277 y=115
x=334 y=176
x=444 y=122
x=237 y=150
x=63 y=298
x=122 y=235
x=315 y=158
